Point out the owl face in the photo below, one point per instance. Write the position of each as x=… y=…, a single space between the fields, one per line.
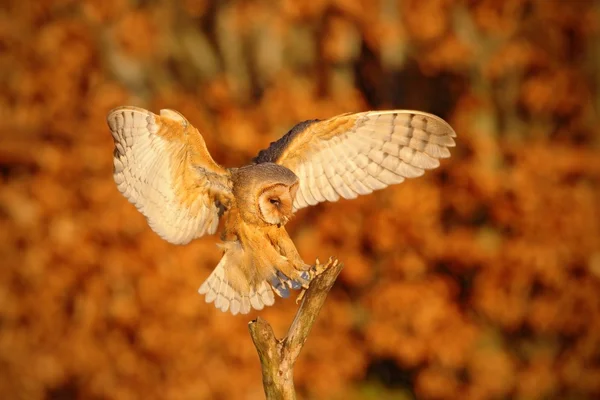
x=265 y=193
x=275 y=203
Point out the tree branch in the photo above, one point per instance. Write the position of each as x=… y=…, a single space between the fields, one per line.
x=277 y=357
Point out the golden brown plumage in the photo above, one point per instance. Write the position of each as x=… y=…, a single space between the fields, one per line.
x=163 y=167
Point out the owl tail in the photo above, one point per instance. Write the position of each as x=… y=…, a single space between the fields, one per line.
x=228 y=287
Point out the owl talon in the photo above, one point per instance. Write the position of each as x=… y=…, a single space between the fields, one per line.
x=300 y=296
x=295 y=285
x=315 y=271
x=294 y=280
x=279 y=286
x=306 y=275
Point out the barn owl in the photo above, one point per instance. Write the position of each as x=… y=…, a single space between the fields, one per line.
x=163 y=167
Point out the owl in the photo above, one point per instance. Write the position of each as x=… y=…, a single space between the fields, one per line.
x=162 y=166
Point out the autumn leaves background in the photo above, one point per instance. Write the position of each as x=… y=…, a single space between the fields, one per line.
x=480 y=280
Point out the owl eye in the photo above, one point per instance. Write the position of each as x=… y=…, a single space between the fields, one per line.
x=274 y=201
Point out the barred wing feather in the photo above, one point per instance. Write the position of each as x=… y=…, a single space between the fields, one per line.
x=162 y=166
x=356 y=154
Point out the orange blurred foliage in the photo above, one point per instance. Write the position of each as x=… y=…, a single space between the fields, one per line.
x=480 y=280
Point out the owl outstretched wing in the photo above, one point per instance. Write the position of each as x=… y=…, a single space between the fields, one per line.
x=162 y=166
x=353 y=154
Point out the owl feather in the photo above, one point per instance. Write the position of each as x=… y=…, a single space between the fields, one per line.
x=356 y=154
x=162 y=166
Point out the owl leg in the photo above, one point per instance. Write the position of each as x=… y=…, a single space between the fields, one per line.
x=288 y=249
x=294 y=268
x=290 y=276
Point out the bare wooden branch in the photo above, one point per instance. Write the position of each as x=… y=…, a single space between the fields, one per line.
x=277 y=357
x=278 y=382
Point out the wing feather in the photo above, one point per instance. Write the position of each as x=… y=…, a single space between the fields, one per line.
x=335 y=180
x=358 y=153
x=162 y=166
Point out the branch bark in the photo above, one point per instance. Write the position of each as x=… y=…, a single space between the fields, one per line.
x=278 y=356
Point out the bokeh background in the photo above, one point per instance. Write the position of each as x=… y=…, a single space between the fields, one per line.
x=480 y=280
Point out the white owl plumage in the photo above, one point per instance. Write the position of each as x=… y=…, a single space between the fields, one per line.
x=162 y=166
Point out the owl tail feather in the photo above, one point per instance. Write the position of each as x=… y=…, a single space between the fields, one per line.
x=219 y=286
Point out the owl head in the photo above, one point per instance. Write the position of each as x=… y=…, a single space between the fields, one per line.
x=276 y=201
x=265 y=193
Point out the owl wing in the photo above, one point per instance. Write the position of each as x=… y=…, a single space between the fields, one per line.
x=353 y=154
x=162 y=166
